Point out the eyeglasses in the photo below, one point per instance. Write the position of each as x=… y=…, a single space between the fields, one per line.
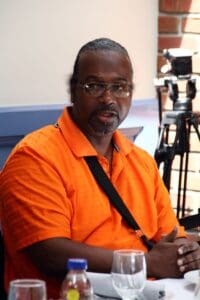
x=97 y=89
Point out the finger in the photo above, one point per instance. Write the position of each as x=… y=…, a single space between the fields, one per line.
x=188 y=247
x=189 y=258
x=194 y=265
x=171 y=236
x=189 y=262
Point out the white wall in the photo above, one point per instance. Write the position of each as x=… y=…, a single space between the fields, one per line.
x=39 y=40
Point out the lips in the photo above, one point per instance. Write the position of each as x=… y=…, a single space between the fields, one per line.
x=106 y=115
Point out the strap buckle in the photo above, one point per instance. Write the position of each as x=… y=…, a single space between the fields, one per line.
x=139 y=233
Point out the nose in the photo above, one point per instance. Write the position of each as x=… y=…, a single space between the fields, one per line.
x=107 y=96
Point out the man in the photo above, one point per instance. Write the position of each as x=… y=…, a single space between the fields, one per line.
x=51 y=206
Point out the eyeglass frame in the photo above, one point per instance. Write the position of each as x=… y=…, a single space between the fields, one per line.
x=107 y=86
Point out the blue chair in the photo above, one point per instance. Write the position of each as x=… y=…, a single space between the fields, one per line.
x=16 y=122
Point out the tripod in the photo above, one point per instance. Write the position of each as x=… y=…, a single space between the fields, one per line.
x=182 y=118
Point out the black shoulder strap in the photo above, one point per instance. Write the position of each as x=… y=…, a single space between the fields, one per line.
x=114 y=197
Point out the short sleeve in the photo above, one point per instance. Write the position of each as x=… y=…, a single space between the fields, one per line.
x=34 y=199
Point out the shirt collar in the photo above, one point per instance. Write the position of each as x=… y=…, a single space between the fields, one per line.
x=79 y=143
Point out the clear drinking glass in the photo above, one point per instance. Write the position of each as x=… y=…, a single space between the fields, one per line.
x=27 y=289
x=128 y=273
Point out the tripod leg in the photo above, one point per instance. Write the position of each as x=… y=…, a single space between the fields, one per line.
x=165 y=153
x=167 y=173
x=161 y=151
x=185 y=183
x=195 y=123
x=187 y=150
x=178 y=207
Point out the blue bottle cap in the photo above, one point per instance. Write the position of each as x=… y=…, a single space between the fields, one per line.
x=77 y=264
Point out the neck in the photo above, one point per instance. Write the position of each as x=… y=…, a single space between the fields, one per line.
x=103 y=145
x=107 y=152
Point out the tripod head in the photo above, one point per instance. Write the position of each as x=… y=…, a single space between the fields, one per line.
x=178 y=68
x=184 y=104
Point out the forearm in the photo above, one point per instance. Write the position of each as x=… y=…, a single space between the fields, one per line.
x=50 y=256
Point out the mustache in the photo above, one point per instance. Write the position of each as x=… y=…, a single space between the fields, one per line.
x=108 y=108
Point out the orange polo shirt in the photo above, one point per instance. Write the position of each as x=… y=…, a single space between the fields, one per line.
x=47 y=191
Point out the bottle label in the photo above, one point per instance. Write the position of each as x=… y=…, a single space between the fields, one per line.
x=72 y=294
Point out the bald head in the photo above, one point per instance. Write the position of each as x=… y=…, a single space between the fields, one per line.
x=101 y=44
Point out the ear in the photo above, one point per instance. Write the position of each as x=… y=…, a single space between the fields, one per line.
x=72 y=93
x=72 y=86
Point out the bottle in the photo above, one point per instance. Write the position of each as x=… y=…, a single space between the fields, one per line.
x=76 y=285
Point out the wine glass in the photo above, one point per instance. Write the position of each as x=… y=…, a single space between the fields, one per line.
x=27 y=289
x=128 y=273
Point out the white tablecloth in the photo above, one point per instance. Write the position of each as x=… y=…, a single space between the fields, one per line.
x=175 y=289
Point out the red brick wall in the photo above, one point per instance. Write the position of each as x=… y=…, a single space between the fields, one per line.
x=179 y=27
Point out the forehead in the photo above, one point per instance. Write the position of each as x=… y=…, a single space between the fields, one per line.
x=105 y=65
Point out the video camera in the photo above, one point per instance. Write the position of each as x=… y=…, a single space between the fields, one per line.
x=178 y=67
x=179 y=62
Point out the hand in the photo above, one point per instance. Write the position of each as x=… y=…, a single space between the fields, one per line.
x=188 y=256
x=162 y=259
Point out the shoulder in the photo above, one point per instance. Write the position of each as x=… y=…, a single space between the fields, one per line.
x=134 y=152
x=142 y=154
x=43 y=141
x=35 y=150
x=143 y=159
x=40 y=137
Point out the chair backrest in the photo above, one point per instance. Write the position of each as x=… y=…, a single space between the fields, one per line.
x=16 y=122
x=190 y=222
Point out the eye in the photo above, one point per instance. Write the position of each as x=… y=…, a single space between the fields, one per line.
x=119 y=87
x=94 y=86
